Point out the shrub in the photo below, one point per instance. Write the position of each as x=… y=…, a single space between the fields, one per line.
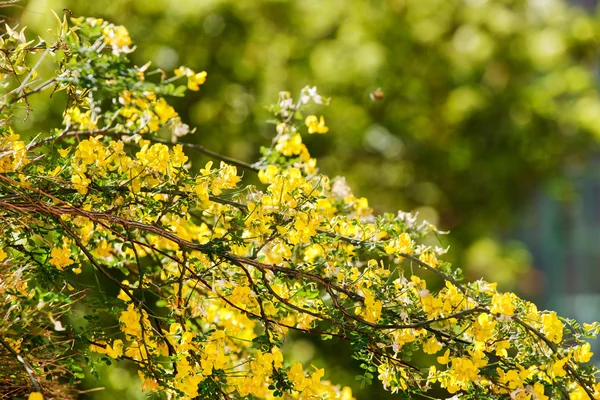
x=112 y=248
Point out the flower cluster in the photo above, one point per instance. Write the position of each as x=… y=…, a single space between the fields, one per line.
x=12 y=151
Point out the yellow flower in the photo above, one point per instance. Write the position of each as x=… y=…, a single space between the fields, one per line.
x=64 y=152
x=181 y=71
x=277 y=357
x=372 y=311
x=552 y=327
x=130 y=320
x=118 y=38
x=483 y=328
x=538 y=390
x=80 y=183
x=432 y=346
x=201 y=190
x=501 y=348
x=429 y=258
x=290 y=146
x=402 y=244
x=502 y=304
x=510 y=378
x=194 y=79
x=463 y=372
x=114 y=351
x=316 y=125
x=35 y=396
x=164 y=111
x=558 y=368
x=269 y=174
x=61 y=257
x=178 y=159
x=433 y=306
x=122 y=295
x=83 y=120
x=296 y=375
x=148 y=384
x=226 y=178
x=582 y=353
x=3 y=255
x=578 y=394
x=445 y=359
x=104 y=249
x=13 y=153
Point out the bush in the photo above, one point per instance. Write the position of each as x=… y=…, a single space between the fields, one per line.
x=113 y=249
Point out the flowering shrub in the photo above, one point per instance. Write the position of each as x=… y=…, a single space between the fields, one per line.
x=201 y=276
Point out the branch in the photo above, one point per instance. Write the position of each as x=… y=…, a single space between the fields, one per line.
x=26 y=366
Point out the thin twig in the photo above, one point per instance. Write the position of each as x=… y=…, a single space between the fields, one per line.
x=26 y=366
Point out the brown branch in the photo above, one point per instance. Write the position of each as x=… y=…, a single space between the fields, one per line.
x=24 y=363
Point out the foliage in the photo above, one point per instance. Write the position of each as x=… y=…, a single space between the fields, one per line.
x=201 y=277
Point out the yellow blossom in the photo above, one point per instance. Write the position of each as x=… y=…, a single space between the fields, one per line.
x=579 y=394
x=558 y=369
x=432 y=345
x=148 y=384
x=316 y=125
x=114 y=351
x=582 y=354
x=372 y=311
x=130 y=321
x=12 y=153
x=402 y=244
x=64 y=152
x=538 y=390
x=104 y=249
x=290 y=145
x=483 y=327
x=164 y=111
x=429 y=258
x=61 y=257
x=83 y=121
x=502 y=347
x=194 y=79
x=80 y=183
x=444 y=359
x=118 y=38
x=269 y=174
x=552 y=327
x=502 y=304
x=122 y=295
x=178 y=159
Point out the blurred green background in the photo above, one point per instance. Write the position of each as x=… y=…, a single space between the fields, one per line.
x=487 y=121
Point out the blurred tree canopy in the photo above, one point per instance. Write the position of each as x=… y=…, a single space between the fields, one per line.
x=479 y=101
